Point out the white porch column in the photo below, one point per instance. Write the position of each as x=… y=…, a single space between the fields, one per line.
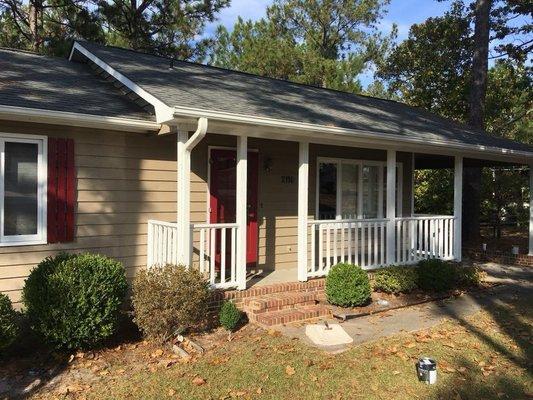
x=183 y=217
x=391 y=206
x=458 y=208
x=531 y=209
x=303 y=198
x=241 y=210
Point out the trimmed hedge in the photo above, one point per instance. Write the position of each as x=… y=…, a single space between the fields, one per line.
x=395 y=280
x=169 y=300
x=229 y=316
x=347 y=285
x=74 y=300
x=439 y=276
x=8 y=323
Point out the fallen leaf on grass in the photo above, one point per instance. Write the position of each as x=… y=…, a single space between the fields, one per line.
x=171 y=392
x=198 y=381
x=395 y=372
x=450 y=345
x=157 y=353
x=259 y=390
x=290 y=370
x=410 y=345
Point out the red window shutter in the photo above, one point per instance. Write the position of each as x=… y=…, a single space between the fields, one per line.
x=61 y=190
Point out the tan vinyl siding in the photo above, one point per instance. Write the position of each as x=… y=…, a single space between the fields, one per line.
x=123 y=180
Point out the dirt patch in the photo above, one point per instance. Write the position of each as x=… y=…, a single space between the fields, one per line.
x=48 y=374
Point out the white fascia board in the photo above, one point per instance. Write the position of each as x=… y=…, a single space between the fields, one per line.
x=383 y=138
x=162 y=111
x=37 y=115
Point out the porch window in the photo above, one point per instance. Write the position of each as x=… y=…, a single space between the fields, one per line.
x=354 y=189
x=22 y=190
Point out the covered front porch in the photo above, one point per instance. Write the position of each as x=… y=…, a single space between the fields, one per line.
x=291 y=209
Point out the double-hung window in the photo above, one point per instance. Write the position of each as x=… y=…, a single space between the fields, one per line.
x=354 y=189
x=22 y=189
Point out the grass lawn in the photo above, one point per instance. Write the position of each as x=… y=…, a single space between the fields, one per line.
x=488 y=356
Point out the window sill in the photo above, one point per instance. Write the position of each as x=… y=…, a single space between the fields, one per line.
x=24 y=243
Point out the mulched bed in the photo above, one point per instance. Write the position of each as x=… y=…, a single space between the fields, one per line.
x=401 y=300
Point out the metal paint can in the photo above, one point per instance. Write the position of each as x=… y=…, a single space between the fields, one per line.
x=427 y=370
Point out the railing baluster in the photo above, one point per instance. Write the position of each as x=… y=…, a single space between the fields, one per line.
x=312 y=264
x=212 y=255
x=350 y=243
x=328 y=249
x=233 y=253
x=363 y=261
x=321 y=248
x=223 y=255
x=202 y=251
x=356 y=243
x=342 y=244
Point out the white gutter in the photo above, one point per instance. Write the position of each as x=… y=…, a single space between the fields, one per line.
x=76 y=119
x=344 y=132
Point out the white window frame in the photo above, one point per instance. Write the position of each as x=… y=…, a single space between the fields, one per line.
x=360 y=164
x=42 y=187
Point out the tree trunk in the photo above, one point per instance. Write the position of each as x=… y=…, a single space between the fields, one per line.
x=35 y=23
x=472 y=178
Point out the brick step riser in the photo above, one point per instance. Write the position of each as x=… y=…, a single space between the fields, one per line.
x=272 y=302
x=250 y=311
x=270 y=321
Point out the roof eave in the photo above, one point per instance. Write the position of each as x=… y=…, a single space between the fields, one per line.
x=302 y=130
x=25 y=114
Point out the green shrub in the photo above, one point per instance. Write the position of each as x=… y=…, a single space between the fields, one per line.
x=436 y=275
x=347 y=285
x=229 y=316
x=74 y=300
x=395 y=280
x=467 y=276
x=8 y=323
x=169 y=300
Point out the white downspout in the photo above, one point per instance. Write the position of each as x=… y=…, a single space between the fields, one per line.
x=183 y=206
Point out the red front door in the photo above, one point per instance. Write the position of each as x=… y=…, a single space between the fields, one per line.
x=223 y=196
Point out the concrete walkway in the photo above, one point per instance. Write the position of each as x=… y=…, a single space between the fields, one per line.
x=514 y=281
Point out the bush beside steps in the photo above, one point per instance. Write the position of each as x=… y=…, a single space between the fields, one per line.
x=169 y=300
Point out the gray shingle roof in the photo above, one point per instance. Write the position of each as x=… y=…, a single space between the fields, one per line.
x=34 y=81
x=199 y=86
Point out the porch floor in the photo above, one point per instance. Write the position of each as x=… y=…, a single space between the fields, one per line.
x=272 y=277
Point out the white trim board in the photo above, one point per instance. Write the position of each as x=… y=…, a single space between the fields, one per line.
x=36 y=115
x=162 y=111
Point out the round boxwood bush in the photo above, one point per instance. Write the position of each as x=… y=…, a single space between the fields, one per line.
x=8 y=323
x=229 y=316
x=168 y=300
x=74 y=300
x=347 y=285
x=436 y=275
x=395 y=280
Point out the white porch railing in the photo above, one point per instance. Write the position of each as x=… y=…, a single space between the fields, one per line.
x=162 y=243
x=213 y=249
x=217 y=253
x=354 y=241
x=364 y=242
x=423 y=237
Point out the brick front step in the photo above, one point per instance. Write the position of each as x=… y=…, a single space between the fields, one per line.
x=280 y=301
x=255 y=291
x=303 y=313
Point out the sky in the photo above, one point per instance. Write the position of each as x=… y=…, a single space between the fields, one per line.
x=402 y=12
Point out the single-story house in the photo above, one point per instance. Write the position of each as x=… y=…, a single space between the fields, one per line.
x=152 y=160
